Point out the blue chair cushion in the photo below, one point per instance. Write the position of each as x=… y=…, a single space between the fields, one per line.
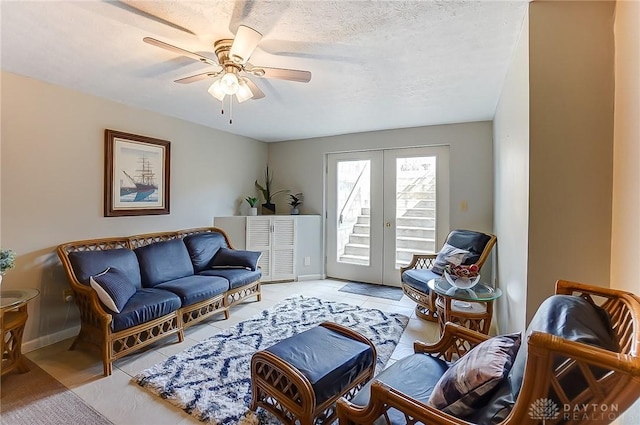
x=328 y=374
x=418 y=278
x=113 y=288
x=163 y=261
x=235 y=277
x=202 y=247
x=193 y=289
x=569 y=317
x=236 y=258
x=145 y=305
x=415 y=375
x=89 y=263
x=471 y=241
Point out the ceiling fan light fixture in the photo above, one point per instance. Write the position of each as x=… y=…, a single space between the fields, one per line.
x=216 y=90
x=244 y=92
x=229 y=83
x=244 y=44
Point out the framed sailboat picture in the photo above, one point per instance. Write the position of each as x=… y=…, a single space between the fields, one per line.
x=136 y=175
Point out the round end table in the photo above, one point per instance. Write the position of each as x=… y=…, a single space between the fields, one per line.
x=13 y=316
x=471 y=308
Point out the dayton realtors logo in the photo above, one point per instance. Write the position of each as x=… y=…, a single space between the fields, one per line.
x=545 y=409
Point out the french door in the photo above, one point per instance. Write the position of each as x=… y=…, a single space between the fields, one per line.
x=382 y=207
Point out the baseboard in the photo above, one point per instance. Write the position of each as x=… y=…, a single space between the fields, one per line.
x=303 y=277
x=43 y=341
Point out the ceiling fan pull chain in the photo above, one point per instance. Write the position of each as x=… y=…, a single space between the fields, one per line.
x=222 y=107
x=230 y=110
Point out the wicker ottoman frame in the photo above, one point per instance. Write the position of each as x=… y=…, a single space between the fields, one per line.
x=284 y=391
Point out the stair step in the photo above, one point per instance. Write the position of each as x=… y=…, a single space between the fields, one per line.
x=355 y=259
x=356 y=249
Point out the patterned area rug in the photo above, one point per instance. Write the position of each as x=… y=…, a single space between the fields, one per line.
x=212 y=380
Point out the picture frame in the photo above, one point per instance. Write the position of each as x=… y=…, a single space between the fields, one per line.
x=136 y=174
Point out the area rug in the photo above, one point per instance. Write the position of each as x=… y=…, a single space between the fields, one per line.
x=379 y=291
x=212 y=380
x=35 y=398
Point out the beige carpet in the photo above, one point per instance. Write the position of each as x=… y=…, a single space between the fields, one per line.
x=35 y=398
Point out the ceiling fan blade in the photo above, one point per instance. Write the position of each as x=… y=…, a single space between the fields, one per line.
x=281 y=74
x=257 y=93
x=175 y=49
x=198 y=77
x=244 y=44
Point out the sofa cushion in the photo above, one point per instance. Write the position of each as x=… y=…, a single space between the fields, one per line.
x=415 y=375
x=449 y=255
x=236 y=258
x=113 y=288
x=570 y=317
x=145 y=305
x=202 y=247
x=470 y=381
x=418 y=278
x=163 y=261
x=236 y=277
x=193 y=289
x=328 y=374
x=89 y=263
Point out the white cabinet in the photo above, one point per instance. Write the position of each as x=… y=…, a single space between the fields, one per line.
x=291 y=245
x=275 y=237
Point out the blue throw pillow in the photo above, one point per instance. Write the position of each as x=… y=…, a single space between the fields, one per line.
x=227 y=258
x=113 y=288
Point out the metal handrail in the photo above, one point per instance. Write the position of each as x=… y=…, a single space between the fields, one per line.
x=347 y=202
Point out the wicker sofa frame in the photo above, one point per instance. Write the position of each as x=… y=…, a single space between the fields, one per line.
x=619 y=386
x=95 y=320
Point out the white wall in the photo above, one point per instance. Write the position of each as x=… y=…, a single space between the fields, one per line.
x=52 y=183
x=625 y=255
x=571 y=77
x=511 y=197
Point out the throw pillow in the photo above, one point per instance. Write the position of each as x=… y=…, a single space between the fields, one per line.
x=471 y=380
x=449 y=255
x=113 y=288
x=227 y=258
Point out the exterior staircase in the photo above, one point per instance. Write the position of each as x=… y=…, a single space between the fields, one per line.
x=415 y=225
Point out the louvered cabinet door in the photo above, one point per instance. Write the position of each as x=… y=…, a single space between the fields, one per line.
x=258 y=238
x=283 y=248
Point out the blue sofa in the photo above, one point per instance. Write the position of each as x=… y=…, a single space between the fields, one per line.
x=135 y=290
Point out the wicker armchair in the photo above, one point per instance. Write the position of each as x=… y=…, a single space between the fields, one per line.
x=550 y=359
x=415 y=287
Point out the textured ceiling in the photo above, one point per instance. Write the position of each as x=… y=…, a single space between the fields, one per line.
x=376 y=64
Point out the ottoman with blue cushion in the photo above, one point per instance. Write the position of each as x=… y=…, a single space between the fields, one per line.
x=301 y=377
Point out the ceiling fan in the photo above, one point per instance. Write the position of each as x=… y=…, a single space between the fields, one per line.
x=232 y=60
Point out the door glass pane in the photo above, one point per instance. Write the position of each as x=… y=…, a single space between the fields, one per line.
x=415 y=207
x=354 y=200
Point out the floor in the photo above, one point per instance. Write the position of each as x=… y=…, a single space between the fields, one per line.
x=124 y=402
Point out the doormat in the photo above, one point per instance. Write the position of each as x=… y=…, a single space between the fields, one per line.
x=378 y=291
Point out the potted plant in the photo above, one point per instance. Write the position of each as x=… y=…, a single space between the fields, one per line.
x=252 y=201
x=268 y=207
x=295 y=200
x=7 y=261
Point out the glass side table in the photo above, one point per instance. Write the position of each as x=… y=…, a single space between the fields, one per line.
x=471 y=308
x=13 y=316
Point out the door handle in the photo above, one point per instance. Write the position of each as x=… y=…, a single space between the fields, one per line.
x=388 y=224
